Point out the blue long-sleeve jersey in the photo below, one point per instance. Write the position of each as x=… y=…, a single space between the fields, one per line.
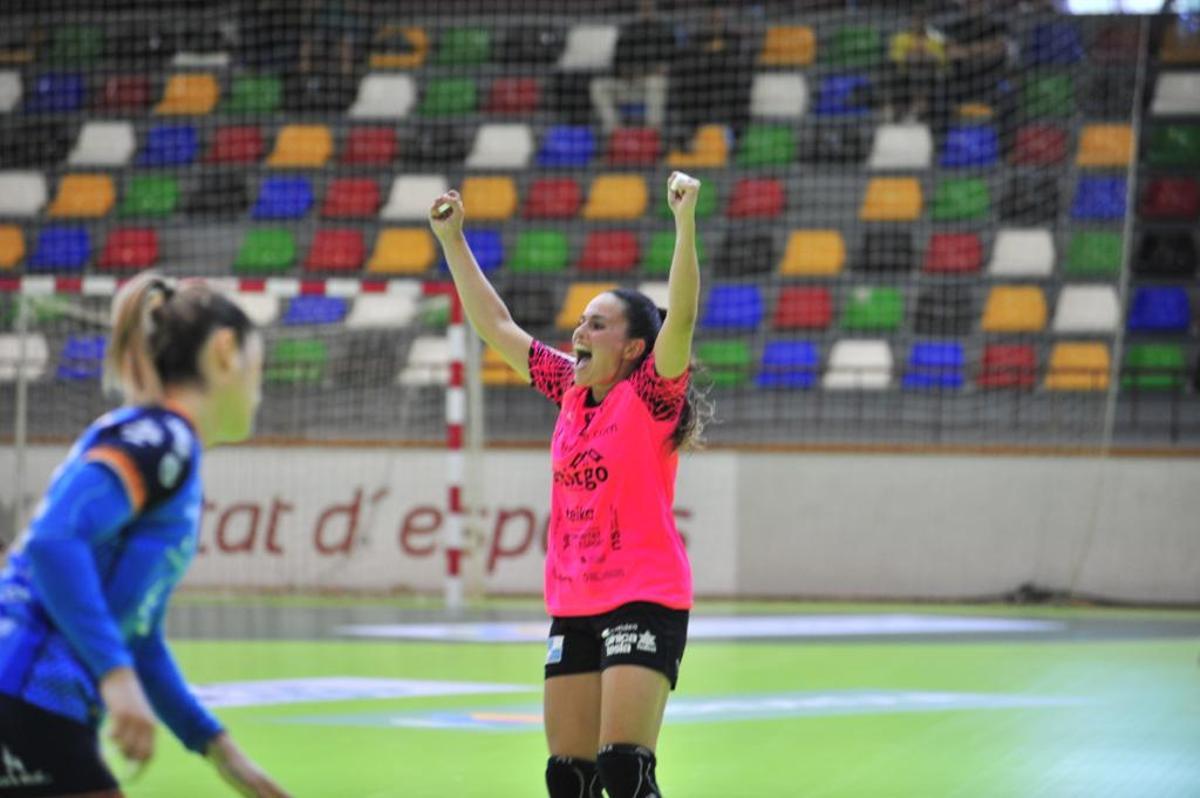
x=85 y=590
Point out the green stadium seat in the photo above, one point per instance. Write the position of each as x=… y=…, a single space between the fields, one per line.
x=76 y=45
x=448 y=97
x=873 y=309
x=1094 y=253
x=262 y=94
x=853 y=46
x=297 y=362
x=767 y=145
x=657 y=259
x=460 y=46
x=728 y=363
x=150 y=196
x=1154 y=367
x=540 y=251
x=1048 y=96
x=1174 y=145
x=961 y=199
x=266 y=251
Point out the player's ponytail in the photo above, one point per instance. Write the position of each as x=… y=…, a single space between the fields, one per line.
x=158 y=332
x=644 y=320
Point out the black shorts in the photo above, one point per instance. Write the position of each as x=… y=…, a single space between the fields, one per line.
x=45 y=754
x=639 y=633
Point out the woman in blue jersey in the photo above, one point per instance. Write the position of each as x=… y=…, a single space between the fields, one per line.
x=84 y=592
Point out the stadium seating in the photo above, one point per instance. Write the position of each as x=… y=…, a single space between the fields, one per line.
x=757 y=198
x=189 y=94
x=709 y=149
x=61 y=249
x=130 y=249
x=891 y=199
x=858 y=365
x=953 y=253
x=1099 y=199
x=553 y=199
x=1154 y=367
x=308 y=310
x=609 y=251
x=1022 y=253
x=1174 y=145
x=81 y=358
x=1170 y=198
x=283 y=198
x=814 y=252
x=873 y=309
x=1039 y=145
x=540 y=252
x=1087 y=309
x=22 y=193
x=83 y=197
x=960 y=199
x=640 y=146
x=448 y=97
x=843 y=96
x=254 y=94
x=103 y=144
x=886 y=251
x=411 y=197
x=788 y=45
x=1160 y=309
x=907 y=146
x=55 y=92
x=935 y=366
x=369 y=146
x=944 y=310
x=396 y=308
x=399 y=47
x=402 y=251
x=616 y=197
x=1093 y=253
x=567 y=146
x=1047 y=95
x=513 y=96
x=219 y=195
x=732 y=307
x=297 y=361
x=12 y=246
x=1018 y=308
x=336 y=251
x=1169 y=255
x=507 y=146
x=240 y=144
x=1179 y=46
x=1082 y=366
x=1030 y=200
x=169 y=145
x=1105 y=146
x=149 y=196
x=779 y=95
x=489 y=198
x=1053 y=44
x=384 y=96
x=789 y=364
x=801 y=308
x=970 y=146
x=23 y=357
x=351 y=198
x=766 y=145
x=10 y=90
x=727 y=363
x=265 y=251
x=302 y=146
x=589 y=48
x=576 y=301
x=124 y=94
x=1008 y=366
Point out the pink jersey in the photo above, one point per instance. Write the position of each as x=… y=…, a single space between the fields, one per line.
x=612 y=536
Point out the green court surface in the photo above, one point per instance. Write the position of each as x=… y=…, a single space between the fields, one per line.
x=371 y=699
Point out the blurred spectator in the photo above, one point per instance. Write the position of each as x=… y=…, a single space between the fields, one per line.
x=644 y=54
x=333 y=39
x=919 y=57
x=711 y=78
x=978 y=43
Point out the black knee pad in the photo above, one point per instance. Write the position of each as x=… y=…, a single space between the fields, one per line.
x=627 y=771
x=568 y=777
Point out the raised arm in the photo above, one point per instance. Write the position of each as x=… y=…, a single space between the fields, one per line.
x=485 y=310
x=673 y=348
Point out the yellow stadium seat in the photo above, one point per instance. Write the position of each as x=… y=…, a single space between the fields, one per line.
x=193 y=93
x=616 y=197
x=416 y=38
x=1179 y=46
x=12 y=246
x=577 y=299
x=710 y=148
x=1080 y=366
x=489 y=197
x=1015 y=308
x=788 y=45
x=1105 y=145
x=975 y=112
x=302 y=146
x=84 y=196
x=814 y=252
x=892 y=199
x=496 y=371
x=402 y=251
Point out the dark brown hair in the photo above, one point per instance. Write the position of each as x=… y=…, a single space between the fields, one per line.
x=158 y=332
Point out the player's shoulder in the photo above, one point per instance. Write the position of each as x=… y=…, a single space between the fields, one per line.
x=150 y=447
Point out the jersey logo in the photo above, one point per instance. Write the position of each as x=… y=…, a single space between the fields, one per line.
x=554 y=650
x=169 y=469
x=143 y=432
x=181 y=438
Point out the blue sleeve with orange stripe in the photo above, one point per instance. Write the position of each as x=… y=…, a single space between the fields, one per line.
x=88 y=508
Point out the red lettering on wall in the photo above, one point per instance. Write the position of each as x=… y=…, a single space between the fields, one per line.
x=420 y=522
x=344 y=543
x=278 y=508
x=226 y=542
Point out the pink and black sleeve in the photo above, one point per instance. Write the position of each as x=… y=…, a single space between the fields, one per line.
x=551 y=371
x=663 y=397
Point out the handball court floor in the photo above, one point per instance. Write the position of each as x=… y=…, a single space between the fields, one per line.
x=396 y=697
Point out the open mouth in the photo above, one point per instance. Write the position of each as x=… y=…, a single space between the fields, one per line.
x=582 y=358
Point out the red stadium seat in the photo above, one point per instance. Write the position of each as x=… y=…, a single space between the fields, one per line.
x=370 y=145
x=351 y=198
x=757 y=198
x=953 y=253
x=557 y=198
x=241 y=144
x=1039 y=145
x=130 y=248
x=803 y=309
x=634 y=146
x=336 y=250
x=1170 y=198
x=513 y=96
x=1008 y=366
x=609 y=251
x=124 y=93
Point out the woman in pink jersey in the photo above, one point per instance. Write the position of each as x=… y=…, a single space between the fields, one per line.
x=618 y=582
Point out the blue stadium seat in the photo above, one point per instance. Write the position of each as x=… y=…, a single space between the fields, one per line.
x=283 y=198
x=304 y=310
x=1160 y=310
x=789 y=364
x=55 y=92
x=1053 y=44
x=970 y=145
x=169 y=145
x=733 y=307
x=567 y=145
x=61 y=249
x=82 y=358
x=1099 y=199
x=935 y=366
x=843 y=95
x=488 y=247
